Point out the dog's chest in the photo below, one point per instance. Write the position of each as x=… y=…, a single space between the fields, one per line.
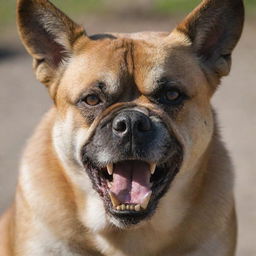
x=46 y=244
x=136 y=243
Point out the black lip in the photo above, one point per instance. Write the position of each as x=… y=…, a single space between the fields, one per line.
x=131 y=218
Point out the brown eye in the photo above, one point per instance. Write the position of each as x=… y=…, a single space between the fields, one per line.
x=92 y=100
x=173 y=95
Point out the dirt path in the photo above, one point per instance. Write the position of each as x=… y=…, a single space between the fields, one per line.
x=23 y=101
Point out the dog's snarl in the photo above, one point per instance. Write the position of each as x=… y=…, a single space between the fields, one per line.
x=131 y=160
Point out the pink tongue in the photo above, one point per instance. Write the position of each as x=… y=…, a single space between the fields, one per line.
x=131 y=181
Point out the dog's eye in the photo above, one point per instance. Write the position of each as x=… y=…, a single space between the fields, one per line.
x=92 y=100
x=172 y=95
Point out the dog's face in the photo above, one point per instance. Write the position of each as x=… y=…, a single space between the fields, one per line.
x=133 y=111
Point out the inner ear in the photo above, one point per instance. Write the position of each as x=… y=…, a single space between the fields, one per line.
x=48 y=35
x=45 y=48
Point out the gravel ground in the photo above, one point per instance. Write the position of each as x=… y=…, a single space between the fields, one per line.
x=23 y=101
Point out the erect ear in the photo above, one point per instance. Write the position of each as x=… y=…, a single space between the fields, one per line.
x=214 y=29
x=48 y=35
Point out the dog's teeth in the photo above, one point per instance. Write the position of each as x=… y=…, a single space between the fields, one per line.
x=132 y=207
x=144 y=205
x=109 y=184
x=137 y=208
x=152 y=168
x=114 y=200
x=110 y=169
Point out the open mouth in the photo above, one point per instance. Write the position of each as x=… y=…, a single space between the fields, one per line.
x=131 y=189
x=130 y=185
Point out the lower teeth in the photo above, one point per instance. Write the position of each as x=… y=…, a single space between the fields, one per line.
x=129 y=207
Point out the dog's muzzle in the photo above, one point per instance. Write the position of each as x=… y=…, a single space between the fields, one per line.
x=132 y=159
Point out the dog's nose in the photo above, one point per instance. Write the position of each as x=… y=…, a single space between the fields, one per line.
x=132 y=123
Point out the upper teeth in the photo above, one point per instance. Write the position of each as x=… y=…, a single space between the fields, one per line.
x=110 y=169
x=152 y=168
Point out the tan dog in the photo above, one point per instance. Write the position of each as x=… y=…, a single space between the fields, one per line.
x=128 y=162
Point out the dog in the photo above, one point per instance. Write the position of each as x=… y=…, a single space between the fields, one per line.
x=129 y=160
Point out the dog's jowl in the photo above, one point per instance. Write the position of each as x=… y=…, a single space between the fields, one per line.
x=128 y=161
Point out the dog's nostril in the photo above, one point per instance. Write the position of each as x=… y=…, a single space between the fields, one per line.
x=144 y=124
x=120 y=125
x=131 y=122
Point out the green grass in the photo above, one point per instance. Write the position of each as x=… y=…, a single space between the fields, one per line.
x=81 y=7
x=182 y=6
x=7 y=12
x=169 y=6
x=7 y=8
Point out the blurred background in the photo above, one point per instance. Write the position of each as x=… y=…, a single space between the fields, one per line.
x=23 y=100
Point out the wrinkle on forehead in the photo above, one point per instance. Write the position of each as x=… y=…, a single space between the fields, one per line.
x=130 y=63
x=108 y=61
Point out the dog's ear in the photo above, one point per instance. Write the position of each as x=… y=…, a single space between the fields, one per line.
x=48 y=35
x=214 y=29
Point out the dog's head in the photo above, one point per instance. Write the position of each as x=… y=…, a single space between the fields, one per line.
x=133 y=110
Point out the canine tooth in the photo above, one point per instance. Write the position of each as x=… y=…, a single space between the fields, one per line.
x=144 y=205
x=118 y=208
x=110 y=169
x=123 y=207
x=109 y=184
x=152 y=168
x=137 y=208
x=114 y=200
